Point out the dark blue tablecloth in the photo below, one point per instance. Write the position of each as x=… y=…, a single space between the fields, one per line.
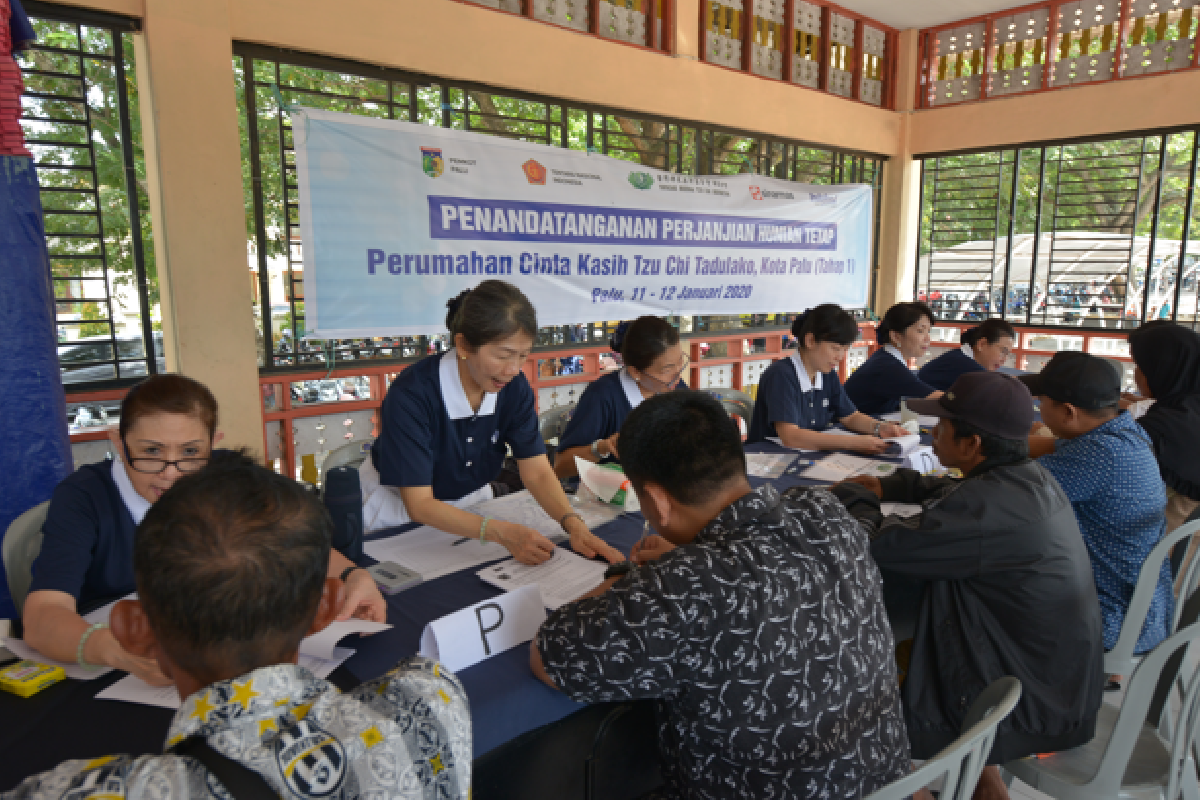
x=506 y=699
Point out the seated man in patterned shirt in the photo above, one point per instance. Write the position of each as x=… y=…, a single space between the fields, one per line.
x=1104 y=461
x=754 y=620
x=230 y=568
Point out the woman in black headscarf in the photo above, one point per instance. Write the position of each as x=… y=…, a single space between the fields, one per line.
x=1167 y=357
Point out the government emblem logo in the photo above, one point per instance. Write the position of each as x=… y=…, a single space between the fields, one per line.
x=641 y=180
x=432 y=162
x=312 y=762
x=535 y=173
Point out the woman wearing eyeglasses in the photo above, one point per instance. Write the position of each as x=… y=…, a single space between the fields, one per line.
x=985 y=347
x=168 y=429
x=448 y=422
x=654 y=363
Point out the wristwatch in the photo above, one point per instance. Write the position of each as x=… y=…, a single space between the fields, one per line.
x=618 y=569
x=346 y=572
x=596 y=448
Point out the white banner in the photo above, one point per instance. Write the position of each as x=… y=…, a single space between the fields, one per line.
x=398 y=217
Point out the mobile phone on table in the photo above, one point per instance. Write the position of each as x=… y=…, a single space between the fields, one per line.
x=392 y=577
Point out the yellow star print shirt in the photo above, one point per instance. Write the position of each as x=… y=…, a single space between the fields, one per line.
x=406 y=734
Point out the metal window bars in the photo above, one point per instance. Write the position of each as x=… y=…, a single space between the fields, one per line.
x=1098 y=233
x=79 y=118
x=674 y=145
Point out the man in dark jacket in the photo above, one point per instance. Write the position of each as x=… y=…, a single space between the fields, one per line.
x=1008 y=586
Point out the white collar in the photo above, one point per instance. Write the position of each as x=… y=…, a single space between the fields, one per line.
x=454 y=396
x=137 y=505
x=633 y=392
x=967 y=351
x=806 y=385
x=891 y=348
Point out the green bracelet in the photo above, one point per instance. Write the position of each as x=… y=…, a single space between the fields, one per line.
x=483 y=529
x=83 y=641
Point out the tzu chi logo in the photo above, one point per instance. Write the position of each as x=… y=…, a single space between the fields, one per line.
x=535 y=173
x=432 y=162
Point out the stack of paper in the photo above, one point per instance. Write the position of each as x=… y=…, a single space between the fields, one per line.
x=563 y=578
x=840 y=466
x=432 y=553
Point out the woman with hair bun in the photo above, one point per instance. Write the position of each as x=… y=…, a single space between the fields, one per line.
x=879 y=384
x=985 y=347
x=654 y=363
x=800 y=397
x=447 y=422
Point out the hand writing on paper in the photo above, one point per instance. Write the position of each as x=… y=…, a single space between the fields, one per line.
x=650 y=548
x=527 y=545
x=362 y=598
x=873 y=485
x=891 y=430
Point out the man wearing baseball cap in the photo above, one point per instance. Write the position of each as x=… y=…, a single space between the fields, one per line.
x=1004 y=583
x=1104 y=462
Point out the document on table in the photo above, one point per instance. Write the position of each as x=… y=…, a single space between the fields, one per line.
x=523 y=509
x=923 y=420
x=903 y=445
x=132 y=689
x=563 y=578
x=21 y=650
x=900 y=509
x=768 y=465
x=432 y=553
x=840 y=466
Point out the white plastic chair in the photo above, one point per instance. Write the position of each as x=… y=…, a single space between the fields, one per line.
x=1121 y=660
x=348 y=455
x=22 y=543
x=553 y=421
x=961 y=763
x=1128 y=758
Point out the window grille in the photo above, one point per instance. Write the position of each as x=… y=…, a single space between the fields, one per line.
x=268 y=165
x=81 y=121
x=1102 y=234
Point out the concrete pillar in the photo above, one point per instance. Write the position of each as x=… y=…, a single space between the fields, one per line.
x=900 y=192
x=193 y=154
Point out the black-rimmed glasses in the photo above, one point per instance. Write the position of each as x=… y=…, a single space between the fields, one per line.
x=156 y=466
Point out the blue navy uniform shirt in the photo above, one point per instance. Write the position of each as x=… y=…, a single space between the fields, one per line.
x=432 y=437
x=943 y=371
x=786 y=394
x=877 y=386
x=602 y=409
x=1111 y=477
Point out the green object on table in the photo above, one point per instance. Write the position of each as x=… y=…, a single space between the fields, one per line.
x=618 y=499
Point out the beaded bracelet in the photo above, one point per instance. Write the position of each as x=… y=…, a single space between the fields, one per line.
x=562 y=521
x=483 y=529
x=83 y=641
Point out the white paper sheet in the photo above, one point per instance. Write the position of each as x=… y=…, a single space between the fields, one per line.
x=322 y=645
x=900 y=509
x=840 y=466
x=768 y=465
x=21 y=650
x=433 y=553
x=563 y=578
x=523 y=509
x=132 y=689
x=486 y=629
x=922 y=419
x=907 y=444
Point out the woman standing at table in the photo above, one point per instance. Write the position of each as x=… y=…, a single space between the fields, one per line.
x=877 y=386
x=447 y=422
x=800 y=397
x=985 y=347
x=168 y=429
x=654 y=363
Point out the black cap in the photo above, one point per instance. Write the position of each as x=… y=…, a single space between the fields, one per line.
x=993 y=402
x=1083 y=380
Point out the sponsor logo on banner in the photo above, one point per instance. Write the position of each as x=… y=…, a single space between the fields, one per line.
x=432 y=162
x=762 y=194
x=535 y=173
x=641 y=180
x=823 y=199
x=313 y=763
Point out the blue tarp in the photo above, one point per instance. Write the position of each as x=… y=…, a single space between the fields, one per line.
x=35 y=451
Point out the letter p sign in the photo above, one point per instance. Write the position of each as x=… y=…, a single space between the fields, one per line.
x=484 y=628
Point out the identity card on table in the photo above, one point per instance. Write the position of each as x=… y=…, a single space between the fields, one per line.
x=563 y=578
x=840 y=466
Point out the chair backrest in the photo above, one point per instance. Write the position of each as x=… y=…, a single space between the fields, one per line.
x=348 y=455
x=22 y=543
x=553 y=422
x=736 y=404
x=1119 y=660
x=964 y=759
x=1138 y=707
